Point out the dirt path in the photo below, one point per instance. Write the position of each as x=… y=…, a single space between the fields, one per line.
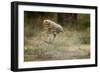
x=64 y=53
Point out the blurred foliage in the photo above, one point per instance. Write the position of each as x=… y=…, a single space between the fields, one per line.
x=84 y=36
x=83 y=21
x=33 y=23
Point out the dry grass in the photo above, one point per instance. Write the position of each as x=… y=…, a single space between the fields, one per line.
x=67 y=45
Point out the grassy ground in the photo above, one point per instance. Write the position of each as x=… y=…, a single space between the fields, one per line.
x=67 y=45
